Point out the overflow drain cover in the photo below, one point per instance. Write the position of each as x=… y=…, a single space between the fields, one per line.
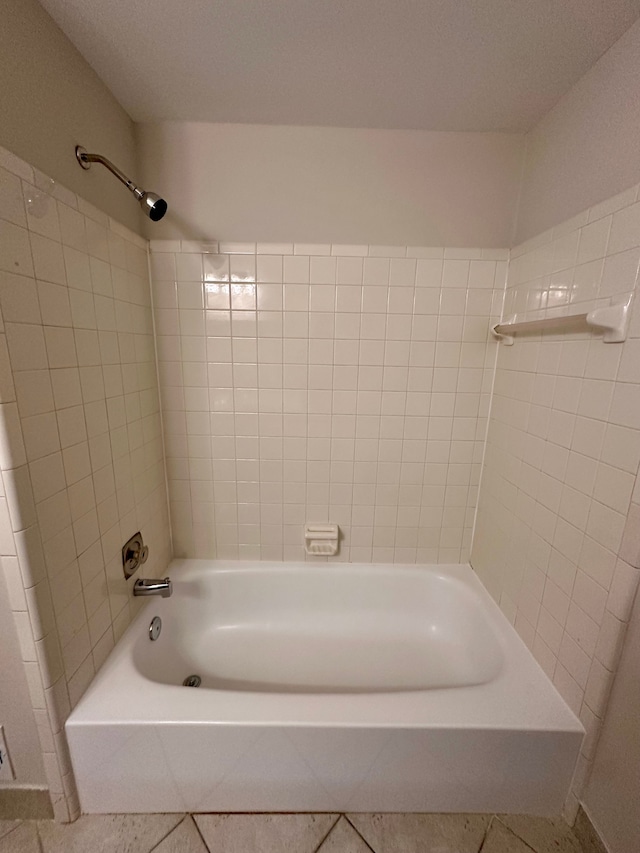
x=192 y=681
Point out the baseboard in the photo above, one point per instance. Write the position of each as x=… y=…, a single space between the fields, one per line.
x=25 y=804
x=587 y=834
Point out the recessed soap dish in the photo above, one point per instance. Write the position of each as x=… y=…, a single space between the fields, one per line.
x=321 y=540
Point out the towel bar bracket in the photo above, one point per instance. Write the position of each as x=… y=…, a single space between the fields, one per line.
x=612 y=320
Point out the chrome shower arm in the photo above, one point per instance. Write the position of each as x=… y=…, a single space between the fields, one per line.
x=152 y=205
x=85 y=159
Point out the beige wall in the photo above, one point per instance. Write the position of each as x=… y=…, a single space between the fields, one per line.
x=278 y=183
x=332 y=185
x=613 y=795
x=586 y=149
x=52 y=101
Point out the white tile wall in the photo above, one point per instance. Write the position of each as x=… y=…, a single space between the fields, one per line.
x=558 y=531
x=324 y=383
x=81 y=449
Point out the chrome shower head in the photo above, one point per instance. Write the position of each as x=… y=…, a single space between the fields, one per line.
x=152 y=205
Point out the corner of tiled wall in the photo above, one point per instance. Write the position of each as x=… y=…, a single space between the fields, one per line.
x=558 y=532
x=81 y=449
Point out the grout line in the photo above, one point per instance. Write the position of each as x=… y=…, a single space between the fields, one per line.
x=161 y=412
x=519 y=837
x=324 y=838
x=359 y=834
x=19 y=822
x=38 y=839
x=173 y=829
x=195 y=823
x=486 y=833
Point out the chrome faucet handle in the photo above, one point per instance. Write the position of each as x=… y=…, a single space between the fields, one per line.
x=134 y=554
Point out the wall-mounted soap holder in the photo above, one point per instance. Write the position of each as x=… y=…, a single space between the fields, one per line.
x=321 y=540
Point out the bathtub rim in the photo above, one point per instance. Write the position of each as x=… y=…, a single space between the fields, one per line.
x=521 y=698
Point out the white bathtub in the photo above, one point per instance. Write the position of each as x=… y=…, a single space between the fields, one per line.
x=325 y=687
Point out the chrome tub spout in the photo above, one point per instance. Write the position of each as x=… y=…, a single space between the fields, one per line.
x=153 y=586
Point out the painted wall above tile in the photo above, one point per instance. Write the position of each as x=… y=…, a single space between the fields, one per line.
x=332 y=185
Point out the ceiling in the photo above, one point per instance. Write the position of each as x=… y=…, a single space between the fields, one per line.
x=467 y=65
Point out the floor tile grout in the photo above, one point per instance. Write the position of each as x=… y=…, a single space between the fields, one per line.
x=13 y=829
x=173 y=829
x=9 y=831
x=486 y=833
x=359 y=834
x=333 y=826
x=513 y=832
x=195 y=823
x=494 y=825
x=7 y=834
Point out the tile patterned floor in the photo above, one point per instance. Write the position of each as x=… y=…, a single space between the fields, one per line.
x=290 y=833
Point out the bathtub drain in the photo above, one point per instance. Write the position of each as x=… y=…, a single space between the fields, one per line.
x=192 y=681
